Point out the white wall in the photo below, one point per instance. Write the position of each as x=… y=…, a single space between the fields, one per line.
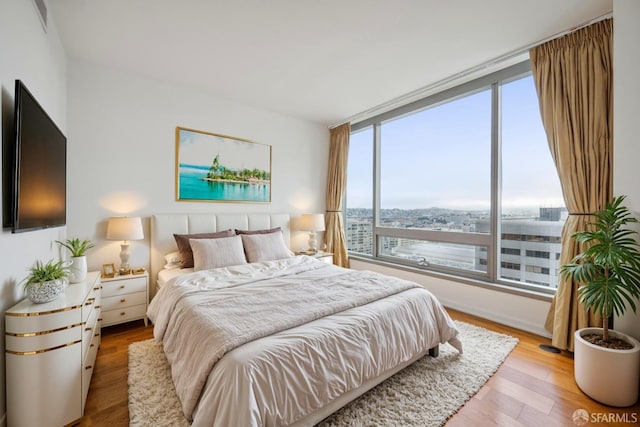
x=626 y=126
x=121 y=154
x=38 y=59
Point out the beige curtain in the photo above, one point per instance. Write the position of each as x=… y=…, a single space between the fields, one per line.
x=573 y=77
x=336 y=183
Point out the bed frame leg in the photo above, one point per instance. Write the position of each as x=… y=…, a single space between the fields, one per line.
x=434 y=351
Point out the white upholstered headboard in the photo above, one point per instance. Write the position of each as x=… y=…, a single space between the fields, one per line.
x=163 y=227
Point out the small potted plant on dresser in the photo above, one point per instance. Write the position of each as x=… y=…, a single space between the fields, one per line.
x=46 y=282
x=78 y=248
x=607 y=362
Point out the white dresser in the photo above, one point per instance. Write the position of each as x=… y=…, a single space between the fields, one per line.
x=51 y=350
x=125 y=298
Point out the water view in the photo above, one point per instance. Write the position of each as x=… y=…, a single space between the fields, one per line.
x=194 y=185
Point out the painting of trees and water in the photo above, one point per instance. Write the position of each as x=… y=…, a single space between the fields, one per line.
x=219 y=168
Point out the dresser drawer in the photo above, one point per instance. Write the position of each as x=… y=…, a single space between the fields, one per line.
x=45 y=321
x=89 y=329
x=126 y=300
x=124 y=286
x=88 y=366
x=124 y=314
x=42 y=341
x=91 y=303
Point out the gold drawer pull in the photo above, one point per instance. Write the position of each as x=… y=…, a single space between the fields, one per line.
x=96 y=335
x=88 y=328
x=88 y=367
x=99 y=319
x=122 y=300
x=121 y=286
x=98 y=306
x=88 y=303
x=123 y=313
x=97 y=288
x=92 y=345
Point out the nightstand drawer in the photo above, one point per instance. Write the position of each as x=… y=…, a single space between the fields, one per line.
x=125 y=300
x=124 y=286
x=124 y=314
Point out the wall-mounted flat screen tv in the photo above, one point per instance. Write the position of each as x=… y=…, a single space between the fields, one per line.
x=36 y=168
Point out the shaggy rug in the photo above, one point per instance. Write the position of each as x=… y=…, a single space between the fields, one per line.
x=426 y=393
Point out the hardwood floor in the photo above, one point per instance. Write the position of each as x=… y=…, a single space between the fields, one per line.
x=532 y=387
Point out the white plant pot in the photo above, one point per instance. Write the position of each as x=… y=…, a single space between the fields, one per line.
x=607 y=375
x=45 y=292
x=78 y=269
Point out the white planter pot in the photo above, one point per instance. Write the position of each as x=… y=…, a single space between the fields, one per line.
x=607 y=375
x=78 y=269
x=45 y=292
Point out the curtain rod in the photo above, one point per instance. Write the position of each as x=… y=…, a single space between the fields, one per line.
x=419 y=93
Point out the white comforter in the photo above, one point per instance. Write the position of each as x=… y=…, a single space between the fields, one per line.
x=239 y=356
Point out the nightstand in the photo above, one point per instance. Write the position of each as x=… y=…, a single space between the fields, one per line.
x=322 y=256
x=125 y=298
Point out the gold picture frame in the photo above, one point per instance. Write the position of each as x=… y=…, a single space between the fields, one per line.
x=211 y=167
x=108 y=270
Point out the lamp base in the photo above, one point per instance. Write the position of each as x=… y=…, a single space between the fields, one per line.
x=124 y=259
x=313 y=244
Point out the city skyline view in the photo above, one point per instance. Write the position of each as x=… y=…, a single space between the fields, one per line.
x=434 y=172
x=430 y=161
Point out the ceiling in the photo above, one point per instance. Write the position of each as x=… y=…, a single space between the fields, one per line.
x=319 y=60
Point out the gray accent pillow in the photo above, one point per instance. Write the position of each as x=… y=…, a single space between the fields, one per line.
x=265 y=247
x=182 y=241
x=216 y=253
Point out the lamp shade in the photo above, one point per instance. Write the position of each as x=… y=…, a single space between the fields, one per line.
x=125 y=228
x=311 y=222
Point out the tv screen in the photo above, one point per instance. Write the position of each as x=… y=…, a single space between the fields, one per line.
x=39 y=167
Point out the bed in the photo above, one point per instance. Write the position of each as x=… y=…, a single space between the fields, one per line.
x=283 y=341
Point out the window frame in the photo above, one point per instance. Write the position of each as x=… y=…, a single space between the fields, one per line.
x=490 y=241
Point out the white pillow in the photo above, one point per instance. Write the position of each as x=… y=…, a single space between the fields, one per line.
x=265 y=247
x=173 y=260
x=216 y=253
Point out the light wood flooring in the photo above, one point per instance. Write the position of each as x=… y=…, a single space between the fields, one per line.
x=532 y=387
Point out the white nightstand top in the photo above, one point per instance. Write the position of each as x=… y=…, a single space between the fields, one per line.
x=124 y=276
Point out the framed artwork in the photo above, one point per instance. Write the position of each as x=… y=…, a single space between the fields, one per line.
x=219 y=168
x=108 y=270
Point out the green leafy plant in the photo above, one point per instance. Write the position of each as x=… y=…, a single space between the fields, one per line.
x=609 y=269
x=76 y=246
x=41 y=273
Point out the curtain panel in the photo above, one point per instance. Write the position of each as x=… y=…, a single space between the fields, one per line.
x=573 y=76
x=336 y=186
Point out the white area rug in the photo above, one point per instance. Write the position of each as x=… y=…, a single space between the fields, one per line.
x=426 y=393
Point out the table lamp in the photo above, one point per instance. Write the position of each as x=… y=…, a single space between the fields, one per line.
x=311 y=223
x=125 y=229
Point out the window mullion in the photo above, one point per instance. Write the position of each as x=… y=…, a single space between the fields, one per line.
x=376 y=185
x=494 y=230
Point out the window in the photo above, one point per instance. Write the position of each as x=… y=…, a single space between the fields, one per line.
x=461 y=182
x=359 y=220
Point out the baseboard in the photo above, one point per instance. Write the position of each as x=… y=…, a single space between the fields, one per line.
x=513 y=322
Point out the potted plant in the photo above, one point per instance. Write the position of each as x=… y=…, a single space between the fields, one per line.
x=77 y=247
x=46 y=281
x=607 y=362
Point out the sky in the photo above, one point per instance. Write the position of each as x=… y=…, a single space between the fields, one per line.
x=200 y=149
x=440 y=157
